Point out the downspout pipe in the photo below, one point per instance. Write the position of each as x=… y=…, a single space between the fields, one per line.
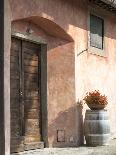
x=112 y=3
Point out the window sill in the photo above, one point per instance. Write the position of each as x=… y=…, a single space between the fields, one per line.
x=96 y=51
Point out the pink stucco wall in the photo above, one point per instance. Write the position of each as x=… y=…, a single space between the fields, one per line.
x=70 y=76
x=97 y=72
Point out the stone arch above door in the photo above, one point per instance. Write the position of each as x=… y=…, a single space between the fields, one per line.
x=48 y=26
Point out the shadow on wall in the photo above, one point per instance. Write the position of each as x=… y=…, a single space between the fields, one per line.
x=71 y=11
x=69 y=16
x=65 y=128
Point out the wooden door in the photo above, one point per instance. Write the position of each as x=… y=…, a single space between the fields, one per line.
x=25 y=96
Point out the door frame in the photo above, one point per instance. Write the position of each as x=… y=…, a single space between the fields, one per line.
x=43 y=81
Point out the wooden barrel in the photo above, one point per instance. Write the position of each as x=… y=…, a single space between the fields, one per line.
x=96 y=127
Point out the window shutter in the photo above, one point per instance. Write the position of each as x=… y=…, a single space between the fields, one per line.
x=96 y=31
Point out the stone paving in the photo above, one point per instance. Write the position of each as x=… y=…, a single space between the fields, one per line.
x=101 y=150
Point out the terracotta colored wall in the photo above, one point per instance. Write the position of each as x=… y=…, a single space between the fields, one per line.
x=69 y=75
x=95 y=72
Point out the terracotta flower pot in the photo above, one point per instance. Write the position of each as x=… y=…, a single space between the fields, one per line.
x=96 y=106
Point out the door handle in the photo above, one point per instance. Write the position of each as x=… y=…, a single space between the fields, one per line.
x=21 y=93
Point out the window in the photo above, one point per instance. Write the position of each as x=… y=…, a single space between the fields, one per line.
x=96 y=32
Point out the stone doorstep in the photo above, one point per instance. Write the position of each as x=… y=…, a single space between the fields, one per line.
x=33 y=148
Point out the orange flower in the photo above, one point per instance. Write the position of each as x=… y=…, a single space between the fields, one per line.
x=95 y=97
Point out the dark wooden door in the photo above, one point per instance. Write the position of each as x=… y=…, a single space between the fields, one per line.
x=25 y=96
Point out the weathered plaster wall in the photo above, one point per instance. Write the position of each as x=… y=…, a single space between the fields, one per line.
x=95 y=72
x=90 y=71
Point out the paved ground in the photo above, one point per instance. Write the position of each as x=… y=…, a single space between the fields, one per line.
x=101 y=150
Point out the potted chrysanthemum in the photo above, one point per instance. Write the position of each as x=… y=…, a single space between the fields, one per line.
x=95 y=100
x=96 y=123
